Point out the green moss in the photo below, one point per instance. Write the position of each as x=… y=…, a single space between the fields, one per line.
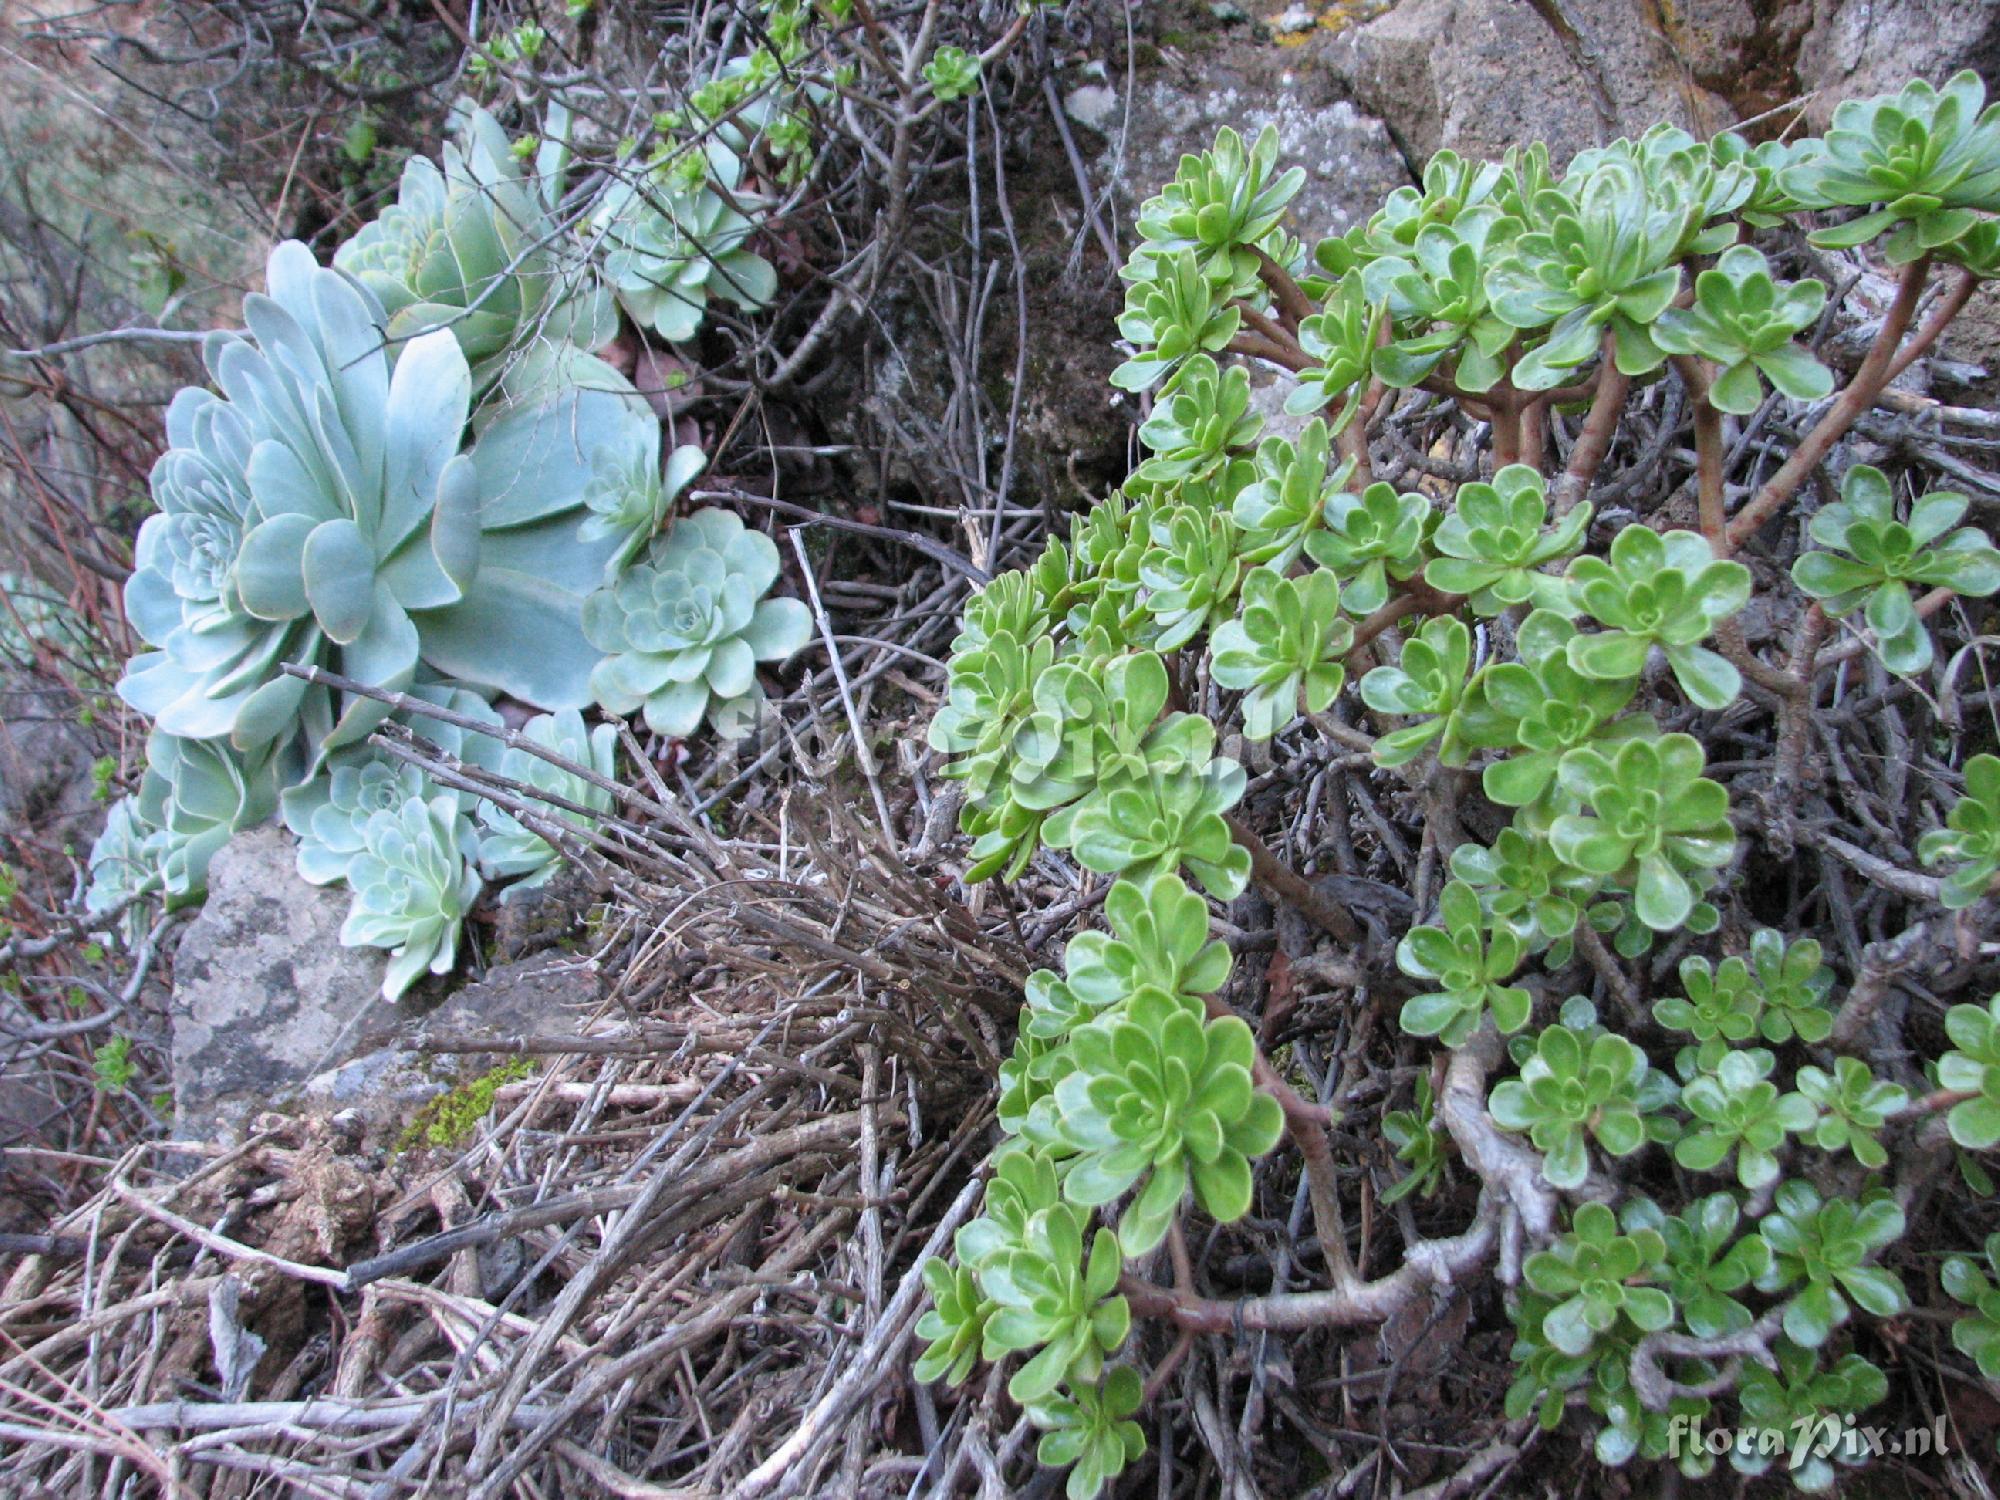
x=450 y=1119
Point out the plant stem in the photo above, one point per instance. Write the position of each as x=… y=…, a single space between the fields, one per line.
x=1292 y=299
x=1859 y=396
x=1708 y=449
x=1599 y=428
x=1285 y=883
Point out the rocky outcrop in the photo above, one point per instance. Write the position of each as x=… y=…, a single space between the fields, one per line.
x=1478 y=76
x=1855 y=48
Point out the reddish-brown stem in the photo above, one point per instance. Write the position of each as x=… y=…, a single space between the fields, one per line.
x=1506 y=409
x=1534 y=431
x=1282 y=881
x=1941 y=315
x=1292 y=299
x=1599 y=428
x=1708 y=453
x=1272 y=331
x=1795 y=714
x=1257 y=347
x=1846 y=411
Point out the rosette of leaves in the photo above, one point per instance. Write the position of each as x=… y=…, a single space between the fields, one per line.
x=475 y=248
x=1452 y=186
x=1523 y=883
x=413 y=883
x=1470 y=961
x=1221 y=204
x=1972 y=1067
x=1428 y=683
x=1151 y=826
x=1540 y=708
x=1285 y=646
x=1683 y=176
x=1884 y=556
x=1171 y=311
x=1594 y=1275
x=1543 y=1375
x=1853 y=1107
x=1800 y=1397
x=1571 y=1088
x=1157 y=1094
x=954 y=1325
x=1281 y=507
x=1494 y=545
x=1598 y=254
x=1437 y=303
x=1201 y=418
x=1977 y=1334
x=1707 y=1262
x=952 y=73
x=330 y=814
x=1738 y=1109
x=1091 y=1429
x=1666 y=590
x=1768 y=204
x=507 y=848
x=1970 y=839
x=1158 y=940
x=319 y=512
x=1369 y=539
x=990 y=697
x=1744 y=323
x=668 y=245
x=1053 y=1299
x=683 y=631
x=1656 y=825
x=195 y=795
x=1795 y=985
x=122 y=869
x=1923 y=162
x=1977 y=251
x=1093 y=730
x=1419 y=1144
x=1823 y=1247
x=1023 y=1184
x=1340 y=340
x=1190 y=572
x=629 y=498
x=1722 y=1006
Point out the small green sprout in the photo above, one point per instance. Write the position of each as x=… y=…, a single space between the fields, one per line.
x=1596 y=1274
x=1524 y=883
x=1421 y=1145
x=1970 y=839
x=955 y=1325
x=1823 y=1248
x=1191 y=572
x=1221 y=205
x=1283 y=506
x=1573 y=1087
x=952 y=73
x=1470 y=962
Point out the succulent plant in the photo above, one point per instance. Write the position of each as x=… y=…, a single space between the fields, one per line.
x=1853 y=1107
x=952 y=73
x=1823 y=1248
x=1158 y=940
x=1885 y=556
x=1093 y=730
x=1470 y=961
x=1191 y=572
x=1569 y=1088
x=1149 y=827
x=1738 y=1109
x=629 y=498
x=1970 y=839
x=1437 y=300
x=1599 y=254
x=1744 y=323
x=122 y=868
x=1221 y=205
x=329 y=815
x=1341 y=340
x=1665 y=590
x=1199 y=420
x=1283 y=504
x=1493 y=545
x=1972 y=1067
x=475 y=248
x=320 y=512
x=684 y=630
x=1540 y=708
x=669 y=245
x=955 y=1324
x=1707 y=1262
x=413 y=884
x=1428 y=683
x=1287 y=643
x=1656 y=825
x=1977 y=1334
x=1157 y=1094
x=1050 y=1298
x=1798 y=1397
x=1419 y=1144
x=1921 y=160
x=1595 y=1275
x=195 y=795
x=1523 y=884
x=1172 y=311
x=1369 y=539
x=1722 y=1006
x=507 y=849
x=1091 y=1428
x=1795 y=984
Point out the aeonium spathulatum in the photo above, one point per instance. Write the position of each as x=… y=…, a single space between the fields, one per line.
x=1666 y=590
x=1437 y=300
x=1746 y=325
x=1573 y=1086
x=1427 y=684
x=1285 y=647
x=1470 y=960
x=1970 y=839
x=1159 y=1094
x=1494 y=545
x=1884 y=556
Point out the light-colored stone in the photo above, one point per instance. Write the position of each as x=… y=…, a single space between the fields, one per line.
x=1478 y=76
x=1856 y=48
x=1093 y=106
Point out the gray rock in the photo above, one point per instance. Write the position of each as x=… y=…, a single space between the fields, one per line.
x=264 y=994
x=1855 y=48
x=1478 y=76
x=1351 y=164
